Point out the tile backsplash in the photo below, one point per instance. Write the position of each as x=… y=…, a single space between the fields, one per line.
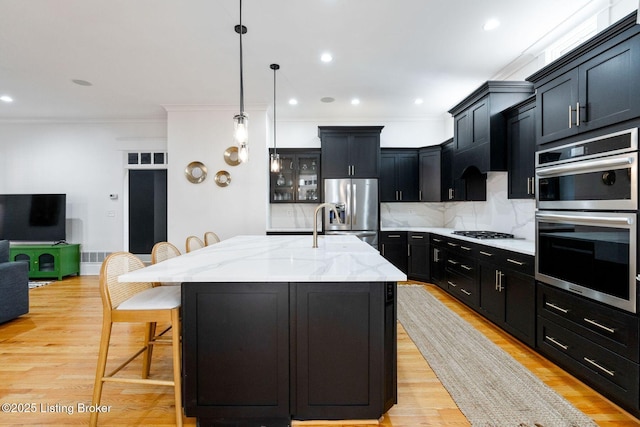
x=498 y=213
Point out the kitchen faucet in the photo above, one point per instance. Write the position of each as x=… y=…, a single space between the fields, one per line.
x=334 y=207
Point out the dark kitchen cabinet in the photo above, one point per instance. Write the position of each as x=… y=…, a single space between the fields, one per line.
x=350 y=151
x=437 y=253
x=418 y=259
x=393 y=246
x=596 y=343
x=299 y=179
x=592 y=86
x=521 y=149
x=508 y=291
x=452 y=189
x=430 y=174
x=478 y=135
x=399 y=175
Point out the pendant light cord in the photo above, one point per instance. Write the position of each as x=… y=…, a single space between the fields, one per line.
x=274 y=110
x=241 y=79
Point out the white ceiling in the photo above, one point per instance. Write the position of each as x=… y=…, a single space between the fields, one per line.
x=143 y=54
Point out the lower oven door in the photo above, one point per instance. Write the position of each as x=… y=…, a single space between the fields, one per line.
x=592 y=254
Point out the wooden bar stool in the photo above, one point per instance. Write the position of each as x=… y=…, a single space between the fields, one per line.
x=137 y=303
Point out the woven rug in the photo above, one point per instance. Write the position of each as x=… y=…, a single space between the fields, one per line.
x=489 y=386
x=34 y=284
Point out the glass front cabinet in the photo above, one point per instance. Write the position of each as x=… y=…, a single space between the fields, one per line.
x=299 y=179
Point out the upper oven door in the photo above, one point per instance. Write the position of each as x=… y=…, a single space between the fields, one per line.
x=592 y=254
x=602 y=183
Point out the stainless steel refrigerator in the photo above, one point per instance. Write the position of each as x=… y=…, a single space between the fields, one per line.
x=360 y=215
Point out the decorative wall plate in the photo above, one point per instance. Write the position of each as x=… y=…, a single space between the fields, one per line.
x=223 y=178
x=231 y=156
x=196 y=172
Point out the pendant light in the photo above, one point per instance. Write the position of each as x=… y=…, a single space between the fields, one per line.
x=276 y=162
x=241 y=121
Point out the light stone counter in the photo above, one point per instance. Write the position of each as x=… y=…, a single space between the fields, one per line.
x=524 y=246
x=275 y=259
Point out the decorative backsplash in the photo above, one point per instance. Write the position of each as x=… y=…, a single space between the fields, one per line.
x=498 y=213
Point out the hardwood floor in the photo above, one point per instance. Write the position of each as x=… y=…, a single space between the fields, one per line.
x=48 y=360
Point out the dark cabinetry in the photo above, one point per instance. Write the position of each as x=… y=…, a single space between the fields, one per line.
x=508 y=290
x=298 y=180
x=479 y=137
x=452 y=188
x=430 y=174
x=461 y=272
x=521 y=149
x=393 y=246
x=593 y=86
x=418 y=259
x=350 y=151
x=597 y=343
x=256 y=353
x=399 y=175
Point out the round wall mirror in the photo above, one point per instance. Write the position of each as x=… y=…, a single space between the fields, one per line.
x=195 y=172
x=223 y=178
x=231 y=156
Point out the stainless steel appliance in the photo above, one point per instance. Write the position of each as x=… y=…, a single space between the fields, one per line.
x=360 y=215
x=482 y=234
x=586 y=225
x=595 y=174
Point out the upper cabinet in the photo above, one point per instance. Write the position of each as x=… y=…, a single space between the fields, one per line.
x=478 y=136
x=592 y=86
x=521 y=148
x=399 y=175
x=299 y=178
x=350 y=151
x=430 y=174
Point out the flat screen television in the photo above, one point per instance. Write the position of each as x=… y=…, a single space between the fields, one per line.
x=33 y=217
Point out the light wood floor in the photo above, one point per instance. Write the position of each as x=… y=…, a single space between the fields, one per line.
x=48 y=360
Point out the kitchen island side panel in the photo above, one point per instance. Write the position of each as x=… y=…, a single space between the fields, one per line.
x=338 y=339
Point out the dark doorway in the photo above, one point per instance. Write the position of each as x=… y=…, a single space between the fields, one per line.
x=147 y=209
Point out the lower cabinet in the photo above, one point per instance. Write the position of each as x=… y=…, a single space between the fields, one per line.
x=418 y=267
x=261 y=354
x=48 y=261
x=437 y=253
x=393 y=246
x=594 y=342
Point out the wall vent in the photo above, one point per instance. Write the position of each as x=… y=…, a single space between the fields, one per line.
x=93 y=256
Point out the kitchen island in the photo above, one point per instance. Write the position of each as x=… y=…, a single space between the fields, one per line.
x=274 y=330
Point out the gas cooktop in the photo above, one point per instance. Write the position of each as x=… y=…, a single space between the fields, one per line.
x=484 y=234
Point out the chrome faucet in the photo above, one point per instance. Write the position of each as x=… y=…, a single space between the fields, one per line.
x=334 y=207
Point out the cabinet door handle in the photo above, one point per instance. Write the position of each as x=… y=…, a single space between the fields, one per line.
x=417 y=237
x=452 y=262
x=437 y=240
x=450 y=193
x=577 y=114
x=408 y=250
x=533 y=186
x=570 y=114
x=455 y=245
x=353 y=170
x=500 y=276
x=563 y=310
x=452 y=284
x=465 y=248
x=400 y=194
x=513 y=261
x=436 y=255
x=420 y=195
x=553 y=340
x=597 y=365
x=466 y=267
x=486 y=253
x=383 y=249
x=529 y=185
x=393 y=236
x=594 y=323
x=464 y=291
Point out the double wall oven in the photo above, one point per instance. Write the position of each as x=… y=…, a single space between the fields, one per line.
x=587 y=216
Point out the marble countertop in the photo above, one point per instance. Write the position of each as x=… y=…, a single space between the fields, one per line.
x=520 y=245
x=275 y=259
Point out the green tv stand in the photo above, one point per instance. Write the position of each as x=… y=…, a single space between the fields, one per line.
x=48 y=261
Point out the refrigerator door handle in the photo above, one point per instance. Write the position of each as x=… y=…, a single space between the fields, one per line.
x=354 y=204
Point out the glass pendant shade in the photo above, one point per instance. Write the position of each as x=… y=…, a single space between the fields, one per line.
x=276 y=163
x=241 y=129
x=243 y=153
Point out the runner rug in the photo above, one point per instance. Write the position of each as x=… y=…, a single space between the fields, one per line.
x=489 y=386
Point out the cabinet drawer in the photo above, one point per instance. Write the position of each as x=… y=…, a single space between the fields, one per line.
x=608 y=327
x=416 y=238
x=610 y=373
x=463 y=287
x=518 y=262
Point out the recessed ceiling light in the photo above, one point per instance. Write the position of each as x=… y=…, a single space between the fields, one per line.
x=355 y=101
x=491 y=24
x=293 y=101
x=6 y=98
x=326 y=57
x=82 y=82
x=327 y=99
x=418 y=101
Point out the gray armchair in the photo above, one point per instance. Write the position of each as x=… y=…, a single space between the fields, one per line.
x=14 y=285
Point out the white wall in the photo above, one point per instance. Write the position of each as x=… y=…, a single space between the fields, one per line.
x=85 y=160
x=203 y=134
